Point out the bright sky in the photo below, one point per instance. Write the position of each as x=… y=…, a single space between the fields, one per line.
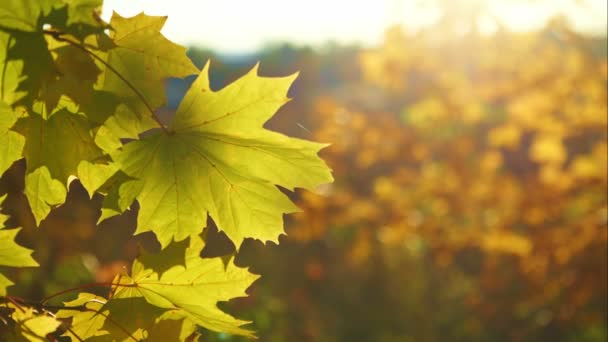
x=231 y=26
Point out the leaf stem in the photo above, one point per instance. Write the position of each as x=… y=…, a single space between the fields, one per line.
x=58 y=36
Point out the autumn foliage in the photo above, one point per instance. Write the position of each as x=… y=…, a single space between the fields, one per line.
x=484 y=157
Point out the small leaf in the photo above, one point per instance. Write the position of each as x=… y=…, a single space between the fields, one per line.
x=4 y=283
x=93 y=175
x=43 y=192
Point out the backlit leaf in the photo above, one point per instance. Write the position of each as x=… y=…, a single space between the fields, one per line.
x=191 y=291
x=56 y=146
x=220 y=160
x=31 y=325
x=144 y=58
x=11 y=143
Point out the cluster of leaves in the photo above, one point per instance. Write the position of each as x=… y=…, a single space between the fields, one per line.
x=79 y=100
x=483 y=157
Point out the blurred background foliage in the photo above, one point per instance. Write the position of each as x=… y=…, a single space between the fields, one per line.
x=470 y=200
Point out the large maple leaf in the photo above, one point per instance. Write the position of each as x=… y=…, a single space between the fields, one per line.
x=218 y=159
x=178 y=279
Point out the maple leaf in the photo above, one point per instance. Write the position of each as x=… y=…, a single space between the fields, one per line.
x=220 y=160
x=93 y=175
x=86 y=314
x=95 y=318
x=23 y=14
x=10 y=73
x=76 y=75
x=29 y=53
x=53 y=150
x=190 y=291
x=144 y=58
x=4 y=283
x=11 y=143
x=12 y=254
x=30 y=325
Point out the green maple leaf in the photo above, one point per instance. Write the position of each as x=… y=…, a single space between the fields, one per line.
x=10 y=73
x=53 y=150
x=220 y=160
x=30 y=325
x=191 y=291
x=23 y=15
x=120 y=195
x=171 y=327
x=11 y=143
x=130 y=318
x=11 y=254
x=71 y=72
x=93 y=175
x=84 y=12
x=29 y=52
x=76 y=75
x=94 y=318
x=4 y=283
x=144 y=58
x=87 y=316
x=123 y=124
x=79 y=18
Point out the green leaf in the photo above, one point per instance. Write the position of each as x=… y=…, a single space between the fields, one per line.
x=53 y=150
x=4 y=283
x=87 y=316
x=11 y=254
x=94 y=175
x=130 y=318
x=59 y=143
x=123 y=124
x=144 y=58
x=171 y=327
x=122 y=319
x=220 y=160
x=30 y=52
x=76 y=75
x=191 y=291
x=11 y=143
x=31 y=325
x=84 y=12
x=43 y=192
x=10 y=72
x=23 y=14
